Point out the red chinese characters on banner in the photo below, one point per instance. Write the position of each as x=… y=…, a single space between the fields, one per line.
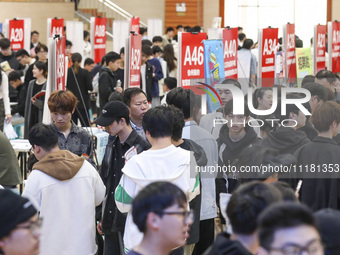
x=335 y=64
x=57 y=27
x=230 y=44
x=135 y=25
x=16 y=30
x=135 y=60
x=99 y=39
x=192 y=64
x=290 y=53
x=269 y=42
x=60 y=64
x=320 y=48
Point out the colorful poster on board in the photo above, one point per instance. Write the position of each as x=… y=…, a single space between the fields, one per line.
x=98 y=26
x=135 y=57
x=230 y=43
x=319 y=48
x=214 y=68
x=191 y=57
x=334 y=46
x=135 y=25
x=289 y=50
x=56 y=27
x=1 y=28
x=304 y=63
x=61 y=67
x=268 y=38
x=16 y=28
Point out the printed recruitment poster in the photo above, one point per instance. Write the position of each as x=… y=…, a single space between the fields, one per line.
x=289 y=49
x=61 y=67
x=98 y=38
x=191 y=57
x=304 y=63
x=214 y=68
x=55 y=27
x=319 y=49
x=267 y=43
x=230 y=43
x=135 y=60
x=16 y=30
x=334 y=46
x=135 y=25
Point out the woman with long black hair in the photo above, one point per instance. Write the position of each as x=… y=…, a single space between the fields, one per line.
x=35 y=97
x=171 y=60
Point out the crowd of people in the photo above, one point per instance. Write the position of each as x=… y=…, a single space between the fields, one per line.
x=171 y=180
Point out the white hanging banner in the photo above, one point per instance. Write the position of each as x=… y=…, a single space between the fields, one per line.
x=120 y=31
x=215 y=33
x=75 y=34
x=155 y=28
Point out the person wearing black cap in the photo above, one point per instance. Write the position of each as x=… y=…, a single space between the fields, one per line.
x=19 y=225
x=126 y=143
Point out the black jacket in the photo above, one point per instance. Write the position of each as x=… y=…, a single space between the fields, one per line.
x=21 y=99
x=320 y=193
x=229 y=152
x=148 y=80
x=224 y=246
x=13 y=62
x=309 y=130
x=107 y=83
x=85 y=84
x=111 y=172
x=285 y=139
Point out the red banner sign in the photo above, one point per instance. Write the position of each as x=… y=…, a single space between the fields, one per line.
x=135 y=60
x=57 y=27
x=230 y=43
x=99 y=39
x=16 y=30
x=319 y=48
x=61 y=67
x=192 y=57
x=335 y=41
x=135 y=25
x=269 y=42
x=290 y=52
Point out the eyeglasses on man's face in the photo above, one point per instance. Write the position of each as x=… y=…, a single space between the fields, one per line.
x=188 y=216
x=314 y=247
x=33 y=226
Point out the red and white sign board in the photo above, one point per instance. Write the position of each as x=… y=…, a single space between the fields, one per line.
x=268 y=38
x=334 y=46
x=230 y=44
x=98 y=38
x=57 y=75
x=134 y=60
x=135 y=25
x=289 y=49
x=319 y=49
x=55 y=27
x=16 y=30
x=61 y=67
x=191 y=57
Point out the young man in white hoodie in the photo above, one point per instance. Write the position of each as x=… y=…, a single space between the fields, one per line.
x=163 y=162
x=65 y=188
